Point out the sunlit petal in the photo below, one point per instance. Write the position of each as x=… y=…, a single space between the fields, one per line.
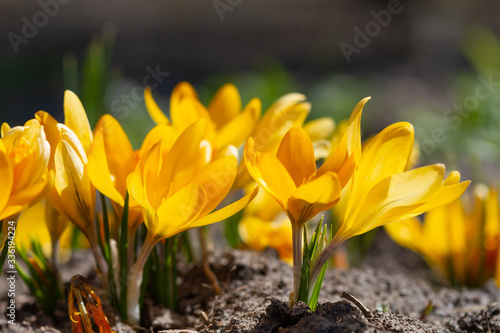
x=225 y=105
x=296 y=154
x=76 y=119
x=153 y=109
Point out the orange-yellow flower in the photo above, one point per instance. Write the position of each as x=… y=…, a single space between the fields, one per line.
x=24 y=156
x=178 y=185
x=226 y=123
x=381 y=191
x=71 y=191
x=291 y=177
x=111 y=160
x=288 y=111
x=461 y=241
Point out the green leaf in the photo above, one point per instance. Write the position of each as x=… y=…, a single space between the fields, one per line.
x=107 y=252
x=231 y=230
x=123 y=251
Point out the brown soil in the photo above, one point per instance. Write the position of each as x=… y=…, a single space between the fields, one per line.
x=256 y=288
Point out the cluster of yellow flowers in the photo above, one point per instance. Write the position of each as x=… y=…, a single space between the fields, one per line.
x=189 y=163
x=461 y=241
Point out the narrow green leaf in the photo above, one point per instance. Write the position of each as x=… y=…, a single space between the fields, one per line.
x=123 y=246
x=107 y=252
x=187 y=247
x=231 y=230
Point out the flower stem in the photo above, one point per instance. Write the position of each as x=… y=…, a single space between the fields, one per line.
x=135 y=280
x=99 y=258
x=297 y=260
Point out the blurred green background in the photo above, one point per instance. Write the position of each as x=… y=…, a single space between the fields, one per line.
x=424 y=62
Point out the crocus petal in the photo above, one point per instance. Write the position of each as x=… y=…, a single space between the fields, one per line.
x=149 y=169
x=6 y=177
x=339 y=162
x=407 y=233
x=323 y=190
x=442 y=196
x=314 y=197
x=75 y=196
x=118 y=150
x=268 y=171
x=287 y=112
x=165 y=133
x=320 y=128
x=238 y=129
x=296 y=153
x=189 y=111
x=52 y=133
x=394 y=198
x=179 y=168
x=76 y=119
x=70 y=137
x=225 y=105
x=387 y=154
x=216 y=179
x=354 y=130
x=24 y=198
x=225 y=212
x=181 y=91
x=98 y=170
x=178 y=211
x=4 y=129
x=137 y=192
x=153 y=109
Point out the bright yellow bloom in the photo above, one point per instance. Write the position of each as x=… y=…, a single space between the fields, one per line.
x=178 y=184
x=265 y=225
x=290 y=174
x=288 y=111
x=71 y=191
x=24 y=156
x=382 y=192
x=460 y=241
x=291 y=178
x=226 y=123
x=111 y=160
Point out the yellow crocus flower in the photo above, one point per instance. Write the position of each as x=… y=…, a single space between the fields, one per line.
x=111 y=160
x=460 y=241
x=288 y=111
x=71 y=191
x=290 y=174
x=178 y=185
x=226 y=123
x=381 y=191
x=291 y=178
x=24 y=156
